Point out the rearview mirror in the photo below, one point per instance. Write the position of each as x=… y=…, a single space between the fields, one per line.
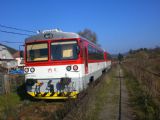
x=78 y=49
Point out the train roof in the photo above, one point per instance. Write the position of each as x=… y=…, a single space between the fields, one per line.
x=55 y=34
x=51 y=34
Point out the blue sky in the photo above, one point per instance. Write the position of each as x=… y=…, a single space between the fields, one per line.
x=119 y=24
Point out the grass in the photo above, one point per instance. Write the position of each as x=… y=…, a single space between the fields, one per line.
x=143 y=105
x=12 y=107
x=103 y=95
x=8 y=105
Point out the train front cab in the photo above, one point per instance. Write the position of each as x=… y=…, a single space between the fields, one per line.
x=54 y=78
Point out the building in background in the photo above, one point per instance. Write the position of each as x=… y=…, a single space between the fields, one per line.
x=19 y=59
x=6 y=58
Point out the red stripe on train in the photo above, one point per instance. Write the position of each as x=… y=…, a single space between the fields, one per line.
x=61 y=63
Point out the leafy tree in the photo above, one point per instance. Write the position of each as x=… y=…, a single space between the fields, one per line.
x=88 y=34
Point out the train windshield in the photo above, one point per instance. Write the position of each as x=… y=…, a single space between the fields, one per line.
x=67 y=50
x=37 y=52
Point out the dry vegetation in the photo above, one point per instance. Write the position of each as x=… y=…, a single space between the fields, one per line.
x=142 y=69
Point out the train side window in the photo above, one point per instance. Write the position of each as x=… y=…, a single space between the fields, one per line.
x=95 y=54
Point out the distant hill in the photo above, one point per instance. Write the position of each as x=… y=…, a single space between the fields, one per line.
x=11 y=50
x=151 y=52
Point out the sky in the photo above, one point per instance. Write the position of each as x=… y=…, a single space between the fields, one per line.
x=120 y=25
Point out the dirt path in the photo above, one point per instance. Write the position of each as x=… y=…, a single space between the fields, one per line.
x=39 y=111
x=126 y=111
x=111 y=109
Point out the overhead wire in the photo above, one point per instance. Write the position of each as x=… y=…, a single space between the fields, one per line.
x=19 y=29
x=5 y=29
x=10 y=32
x=11 y=42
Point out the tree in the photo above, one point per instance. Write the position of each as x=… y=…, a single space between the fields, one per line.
x=88 y=34
x=120 y=57
x=130 y=51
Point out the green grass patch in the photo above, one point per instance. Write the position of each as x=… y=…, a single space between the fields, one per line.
x=8 y=105
x=100 y=96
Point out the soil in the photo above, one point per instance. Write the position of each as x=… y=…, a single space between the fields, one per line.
x=39 y=111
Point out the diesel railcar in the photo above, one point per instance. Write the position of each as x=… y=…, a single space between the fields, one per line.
x=60 y=64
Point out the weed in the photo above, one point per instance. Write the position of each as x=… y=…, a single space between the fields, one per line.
x=141 y=101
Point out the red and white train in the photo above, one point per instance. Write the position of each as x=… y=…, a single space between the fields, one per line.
x=60 y=64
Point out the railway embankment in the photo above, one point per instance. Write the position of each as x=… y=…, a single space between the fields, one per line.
x=101 y=101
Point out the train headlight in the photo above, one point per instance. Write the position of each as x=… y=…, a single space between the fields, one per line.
x=75 y=67
x=68 y=68
x=26 y=70
x=32 y=70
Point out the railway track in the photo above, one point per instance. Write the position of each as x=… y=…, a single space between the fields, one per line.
x=82 y=101
x=125 y=112
x=120 y=92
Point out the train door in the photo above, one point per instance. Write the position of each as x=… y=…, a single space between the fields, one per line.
x=86 y=60
x=85 y=63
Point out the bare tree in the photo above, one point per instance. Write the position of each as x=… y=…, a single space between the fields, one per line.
x=88 y=34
